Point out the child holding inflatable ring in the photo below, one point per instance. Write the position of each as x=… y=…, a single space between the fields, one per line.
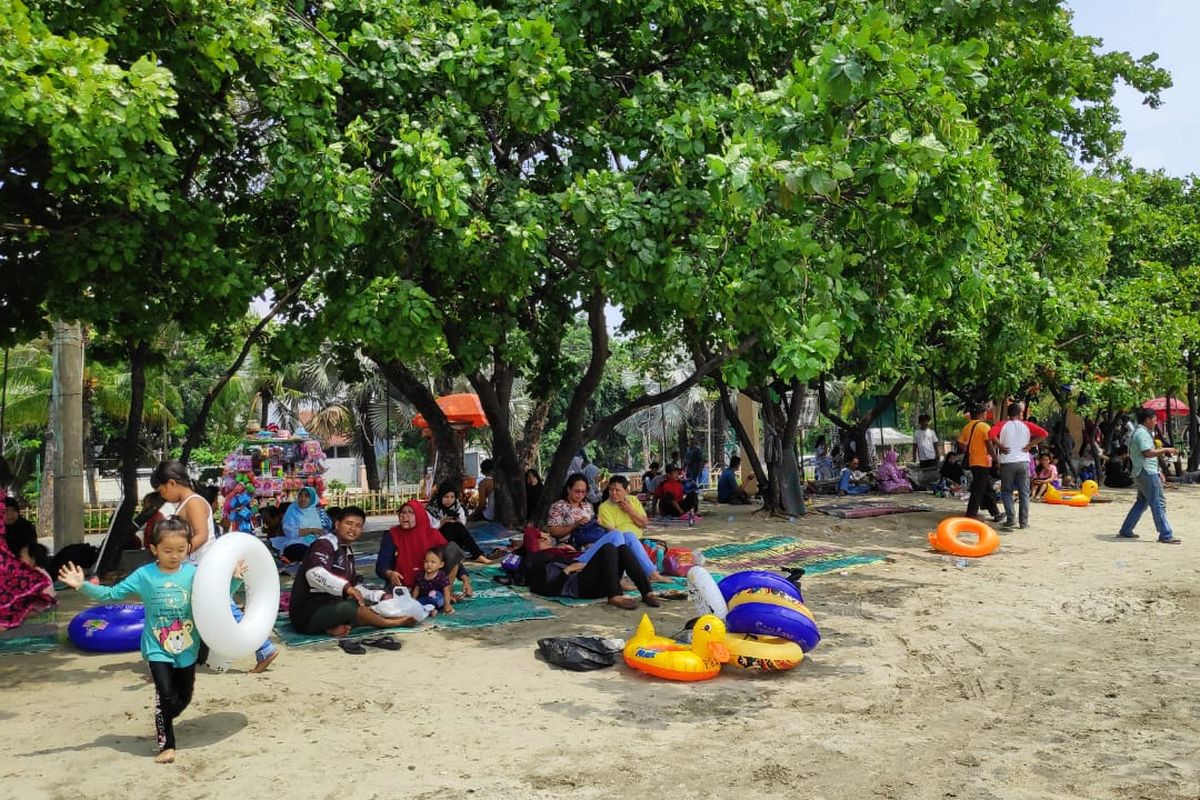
x=169 y=641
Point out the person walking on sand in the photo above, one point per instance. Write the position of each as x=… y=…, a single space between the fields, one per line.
x=979 y=448
x=1143 y=456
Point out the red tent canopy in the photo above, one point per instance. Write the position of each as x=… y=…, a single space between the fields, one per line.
x=460 y=410
x=1159 y=406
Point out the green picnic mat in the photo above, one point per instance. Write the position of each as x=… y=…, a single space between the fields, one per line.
x=491 y=605
x=38 y=633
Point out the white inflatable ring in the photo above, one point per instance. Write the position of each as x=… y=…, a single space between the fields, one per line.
x=211 y=599
x=704 y=594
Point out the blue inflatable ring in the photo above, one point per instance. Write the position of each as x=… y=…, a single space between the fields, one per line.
x=108 y=629
x=763 y=619
x=757 y=579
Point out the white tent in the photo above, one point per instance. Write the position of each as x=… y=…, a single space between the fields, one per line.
x=878 y=437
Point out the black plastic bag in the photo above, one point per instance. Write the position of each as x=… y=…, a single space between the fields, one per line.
x=580 y=653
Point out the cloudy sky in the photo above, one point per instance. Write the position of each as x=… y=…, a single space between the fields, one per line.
x=1166 y=138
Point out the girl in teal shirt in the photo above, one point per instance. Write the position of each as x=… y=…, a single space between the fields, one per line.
x=169 y=639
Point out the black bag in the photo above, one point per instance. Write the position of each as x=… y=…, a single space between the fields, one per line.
x=579 y=653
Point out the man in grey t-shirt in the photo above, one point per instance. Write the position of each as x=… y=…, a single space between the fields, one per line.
x=1144 y=457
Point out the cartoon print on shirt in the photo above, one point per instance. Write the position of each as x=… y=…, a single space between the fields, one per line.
x=176 y=638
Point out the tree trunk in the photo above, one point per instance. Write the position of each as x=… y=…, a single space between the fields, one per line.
x=747 y=443
x=720 y=427
x=446 y=441
x=856 y=432
x=508 y=477
x=1193 y=462
x=138 y=350
x=535 y=426
x=366 y=448
x=264 y=407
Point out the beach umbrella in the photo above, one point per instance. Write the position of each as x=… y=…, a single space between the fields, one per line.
x=1160 y=406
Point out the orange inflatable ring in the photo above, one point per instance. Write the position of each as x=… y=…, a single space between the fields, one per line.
x=946 y=538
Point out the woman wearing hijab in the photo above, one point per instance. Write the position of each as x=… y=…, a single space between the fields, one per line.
x=447 y=516
x=890 y=477
x=302 y=524
x=533 y=491
x=402 y=551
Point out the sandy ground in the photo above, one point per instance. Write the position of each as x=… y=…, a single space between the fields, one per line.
x=1065 y=666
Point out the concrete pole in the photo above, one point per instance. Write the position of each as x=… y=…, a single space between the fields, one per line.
x=68 y=400
x=748 y=414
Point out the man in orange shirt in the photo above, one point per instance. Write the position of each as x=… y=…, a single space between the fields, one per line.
x=980 y=449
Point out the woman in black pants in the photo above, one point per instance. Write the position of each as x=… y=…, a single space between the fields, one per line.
x=549 y=575
x=447 y=515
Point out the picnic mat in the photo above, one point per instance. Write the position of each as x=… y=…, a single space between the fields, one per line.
x=674 y=522
x=491 y=533
x=38 y=633
x=492 y=605
x=785 y=552
x=861 y=510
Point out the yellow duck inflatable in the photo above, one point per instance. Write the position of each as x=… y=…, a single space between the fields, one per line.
x=665 y=658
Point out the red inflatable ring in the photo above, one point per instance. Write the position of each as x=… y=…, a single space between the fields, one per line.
x=947 y=538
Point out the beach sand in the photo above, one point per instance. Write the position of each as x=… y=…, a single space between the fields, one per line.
x=1064 y=666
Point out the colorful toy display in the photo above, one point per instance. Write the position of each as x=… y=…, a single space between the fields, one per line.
x=108 y=629
x=948 y=537
x=664 y=658
x=271 y=466
x=1083 y=497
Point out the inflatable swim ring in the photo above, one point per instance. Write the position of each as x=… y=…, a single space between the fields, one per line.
x=757 y=579
x=763 y=653
x=647 y=652
x=704 y=594
x=211 y=596
x=764 y=619
x=108 y=629
x=1057 y=497
x=772 y=597
x=947 y=537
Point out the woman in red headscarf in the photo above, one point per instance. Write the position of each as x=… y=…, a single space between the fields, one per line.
x=402 y=551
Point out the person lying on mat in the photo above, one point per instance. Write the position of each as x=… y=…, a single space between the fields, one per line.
x=327 y=595
x=554 y=573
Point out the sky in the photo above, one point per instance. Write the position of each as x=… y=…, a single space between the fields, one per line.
x=1167 y=137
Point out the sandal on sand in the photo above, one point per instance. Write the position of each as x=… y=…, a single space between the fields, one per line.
x=627 y=603
x=672 y=594
x=383 y=642
x=651 y=600
x=352 y=647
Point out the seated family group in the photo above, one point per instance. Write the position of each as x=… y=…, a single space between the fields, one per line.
x=583 y=553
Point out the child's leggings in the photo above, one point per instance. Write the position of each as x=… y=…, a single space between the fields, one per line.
x=172 y=692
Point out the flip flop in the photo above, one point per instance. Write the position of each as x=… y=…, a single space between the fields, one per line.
x=383 y=643
x=672 y=594
x=352 y=647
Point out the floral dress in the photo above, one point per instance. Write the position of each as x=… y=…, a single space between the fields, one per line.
x=24 y=590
